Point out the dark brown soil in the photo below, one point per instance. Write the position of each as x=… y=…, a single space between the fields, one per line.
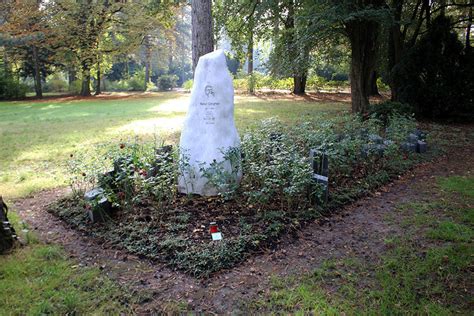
x=358 y=230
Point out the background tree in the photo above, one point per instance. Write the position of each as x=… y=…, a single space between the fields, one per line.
x=28 y=35
x=202 y=35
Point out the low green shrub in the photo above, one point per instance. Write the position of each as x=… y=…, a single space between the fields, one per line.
x=56 y=83
x=188 y=84
x=75 y=87
x=167 y=82
x=384 y=110
x=11 y=88
x=137 y=81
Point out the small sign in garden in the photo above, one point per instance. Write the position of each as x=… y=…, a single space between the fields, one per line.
x=209 y=130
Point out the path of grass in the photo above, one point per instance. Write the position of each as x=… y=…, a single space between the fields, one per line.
x=37 y=137
x=426 y=271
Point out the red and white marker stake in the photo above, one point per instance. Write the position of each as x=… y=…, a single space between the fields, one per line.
x=214 y=230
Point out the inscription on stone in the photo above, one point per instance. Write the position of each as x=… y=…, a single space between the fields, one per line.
x=209 y=113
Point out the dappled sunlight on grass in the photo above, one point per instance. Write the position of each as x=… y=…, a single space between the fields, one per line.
x=178 y=105
x=151 y=126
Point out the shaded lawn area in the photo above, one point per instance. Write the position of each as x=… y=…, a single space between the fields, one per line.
x=37 y=137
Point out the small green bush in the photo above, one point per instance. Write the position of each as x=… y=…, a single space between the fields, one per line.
x=150 y=86
x=56 y=83
x=75 y=87
x=120 y=85
x=137 y=81
x=384 y=110
x=188 y=84
x=167 y=82
x=241 y=84
x=11 y=88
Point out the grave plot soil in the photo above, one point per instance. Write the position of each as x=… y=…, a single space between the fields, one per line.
x=358 y=229
x=178 y=233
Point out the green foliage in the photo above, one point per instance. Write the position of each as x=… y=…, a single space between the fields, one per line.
x=218 y=175
x=128 y=172
x=399 y=127
x=383 y=111
x=137 y=81
x=56 y=83
x=188 y=84
x=75 y=87
x=433 y=76
x=11 y=88
x=134 y=83
x=167 y=82
x=275 y=168
x=261 y=82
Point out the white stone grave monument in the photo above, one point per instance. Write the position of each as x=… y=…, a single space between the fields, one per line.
x=209 y=129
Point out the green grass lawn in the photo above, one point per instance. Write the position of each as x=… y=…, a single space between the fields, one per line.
x=37 y=137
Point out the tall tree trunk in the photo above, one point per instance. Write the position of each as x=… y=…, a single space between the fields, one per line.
x=301 y=71
x=428 y=12
x=374 y=90
x=363 y=36
x=97 y=84
x=468 y=28
x=250 y=64
x=86 y=80
x=71 y=75
x=202 y=36
x=36 y=63
x=147 y=59
x=127 y=70
x=299 y=84
x=395 y=45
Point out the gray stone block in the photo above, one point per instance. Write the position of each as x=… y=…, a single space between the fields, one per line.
x=420 y=134
x=96 y=215
x=409 y=147
x=388 y=142
x=93 y=194
x=324 y=182
x=319 y=161
x=421 y=147
x=376 y=139
x=100 y=211
x=380 y=149
x=412 y=138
